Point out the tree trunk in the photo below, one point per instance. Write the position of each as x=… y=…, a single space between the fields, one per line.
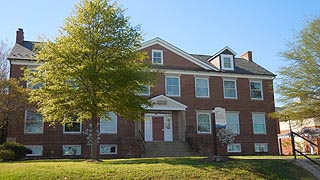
x=94 y=137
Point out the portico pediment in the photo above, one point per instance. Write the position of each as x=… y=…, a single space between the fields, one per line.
x=162 y=102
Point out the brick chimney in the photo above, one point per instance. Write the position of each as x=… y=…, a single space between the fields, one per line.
x=247 y=55
x=20 y=36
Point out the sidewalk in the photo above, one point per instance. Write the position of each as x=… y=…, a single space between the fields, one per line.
x=309 y=166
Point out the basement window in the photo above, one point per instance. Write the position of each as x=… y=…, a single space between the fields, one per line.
x=108 y=149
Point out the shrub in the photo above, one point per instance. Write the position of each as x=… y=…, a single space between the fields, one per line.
x=19 y=150
x=6 y=155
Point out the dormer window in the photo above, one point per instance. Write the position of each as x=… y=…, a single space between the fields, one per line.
x=157 y=57
x=227 y=62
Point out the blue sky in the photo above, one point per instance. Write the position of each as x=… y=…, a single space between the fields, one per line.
x=200 y=27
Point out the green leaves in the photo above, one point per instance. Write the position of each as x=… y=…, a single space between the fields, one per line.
x=299 y=81
x=93 y=66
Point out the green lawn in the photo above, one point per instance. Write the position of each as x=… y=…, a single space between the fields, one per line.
x=154 y=168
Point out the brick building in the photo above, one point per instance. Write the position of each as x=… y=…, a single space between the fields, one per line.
x=187 y=90
x=302 y=128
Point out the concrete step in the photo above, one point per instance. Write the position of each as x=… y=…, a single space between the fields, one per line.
x=168 y=149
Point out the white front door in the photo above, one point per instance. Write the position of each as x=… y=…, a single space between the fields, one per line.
x=148 y=129
x=167 y=128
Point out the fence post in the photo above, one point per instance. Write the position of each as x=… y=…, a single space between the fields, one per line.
x=293 y=145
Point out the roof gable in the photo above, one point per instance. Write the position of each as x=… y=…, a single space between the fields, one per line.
x=178 y=51
x=226 y=50
x=162 y=102
x=24 y=51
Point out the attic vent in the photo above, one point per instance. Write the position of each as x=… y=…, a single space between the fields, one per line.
x=161 y=102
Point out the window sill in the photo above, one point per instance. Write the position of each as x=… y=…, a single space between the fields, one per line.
x=109 y=133
x=204 y=133
x=203 y=97
x=173 y=95
x=73 y=133
x=259 y=133
x=257 y=99
x=33 y=133
x=232 y=98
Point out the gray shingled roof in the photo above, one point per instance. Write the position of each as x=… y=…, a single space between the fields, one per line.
x=242 y=66
x=24 y=51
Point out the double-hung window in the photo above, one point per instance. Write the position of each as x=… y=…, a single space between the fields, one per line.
x=203 y=123
x=202 y=87
x=259 y=123
x=33 y=86
x=157 y=57
x=145 y=90
x=74 y=127
x=232 y=119
x=256 y=90
x=172 y=86
x=227 y=62
x=230 y=89
x=33 y=122
x=109 y=125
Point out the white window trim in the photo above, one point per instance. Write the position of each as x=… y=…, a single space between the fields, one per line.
x=160 y=51
x=236 y=112
x=265 y=125
x=25 y=124
x=264 y=144
x=234 y=144
x=114 y=132
x=261 y=90
x=195 y=86
x=235 y=86
x=231 y=61
x=209 y=114
x=178 y=84
x=145 y=94
x=108 y=145
x=30 y=146
x=72 y=132
x=71 y=146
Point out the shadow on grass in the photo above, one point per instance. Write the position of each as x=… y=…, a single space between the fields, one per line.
x=234 y=168
x=166 y=160
x=264 y=168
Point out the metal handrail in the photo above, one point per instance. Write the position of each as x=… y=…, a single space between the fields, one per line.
x=304 y=138
x=301 y=153
x=189 y=141
x=141 y=139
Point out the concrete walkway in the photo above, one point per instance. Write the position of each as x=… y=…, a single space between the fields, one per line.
x=309 y=166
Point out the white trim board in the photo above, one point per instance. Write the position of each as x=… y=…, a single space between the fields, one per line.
x=217 y=74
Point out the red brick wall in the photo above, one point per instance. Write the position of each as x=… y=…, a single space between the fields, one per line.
x=170 y=59
x=53 y=138
x=16 y=71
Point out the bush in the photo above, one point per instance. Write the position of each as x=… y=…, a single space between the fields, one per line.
x=6 y=155
x=19 y=150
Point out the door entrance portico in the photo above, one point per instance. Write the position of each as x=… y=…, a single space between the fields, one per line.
x=158 y=126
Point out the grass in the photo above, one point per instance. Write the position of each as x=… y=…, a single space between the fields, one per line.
x=154 y=168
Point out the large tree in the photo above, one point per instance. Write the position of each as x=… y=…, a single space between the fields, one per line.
x=4 y=64
x=91 y=68
x=299 y=85
x=13 y=97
